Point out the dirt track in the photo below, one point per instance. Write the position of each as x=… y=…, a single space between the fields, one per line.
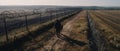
x=69 y=38
x=56 y=43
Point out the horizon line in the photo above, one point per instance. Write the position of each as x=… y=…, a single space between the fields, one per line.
x=60 y=5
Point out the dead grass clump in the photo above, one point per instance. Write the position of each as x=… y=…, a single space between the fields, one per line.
x=114 y=40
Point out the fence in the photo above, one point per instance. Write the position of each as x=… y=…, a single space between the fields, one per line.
x=13 y=25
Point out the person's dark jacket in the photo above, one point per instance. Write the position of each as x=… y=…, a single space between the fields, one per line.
x=58 y=26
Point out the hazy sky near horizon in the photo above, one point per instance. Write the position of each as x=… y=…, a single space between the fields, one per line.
x=62 y=2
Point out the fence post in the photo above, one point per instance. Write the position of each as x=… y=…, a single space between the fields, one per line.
x=51 y=15
x=40 y=16
x=5 y=26
x=26 y=22
x=56 y=14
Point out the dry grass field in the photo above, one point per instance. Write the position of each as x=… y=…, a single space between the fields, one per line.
x=108 y=24
x=85 y=31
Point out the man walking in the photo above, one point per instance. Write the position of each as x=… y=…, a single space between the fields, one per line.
x=58 y=27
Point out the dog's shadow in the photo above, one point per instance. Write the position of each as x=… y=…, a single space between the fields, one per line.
x=71 y=41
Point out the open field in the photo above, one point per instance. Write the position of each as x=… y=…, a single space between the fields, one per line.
x=92 y=30
x=108 y=24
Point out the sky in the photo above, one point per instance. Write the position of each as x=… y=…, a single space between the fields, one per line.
x=62 y=2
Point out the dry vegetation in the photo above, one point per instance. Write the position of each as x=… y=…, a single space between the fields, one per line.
x=75 y=29
x=108 y=23
x=79 y=32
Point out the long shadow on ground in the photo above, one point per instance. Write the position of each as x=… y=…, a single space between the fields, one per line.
x=70 y=40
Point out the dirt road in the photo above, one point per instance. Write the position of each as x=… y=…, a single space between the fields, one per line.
x=71 y=37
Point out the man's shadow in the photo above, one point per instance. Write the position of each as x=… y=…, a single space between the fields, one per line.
x=71 y=41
